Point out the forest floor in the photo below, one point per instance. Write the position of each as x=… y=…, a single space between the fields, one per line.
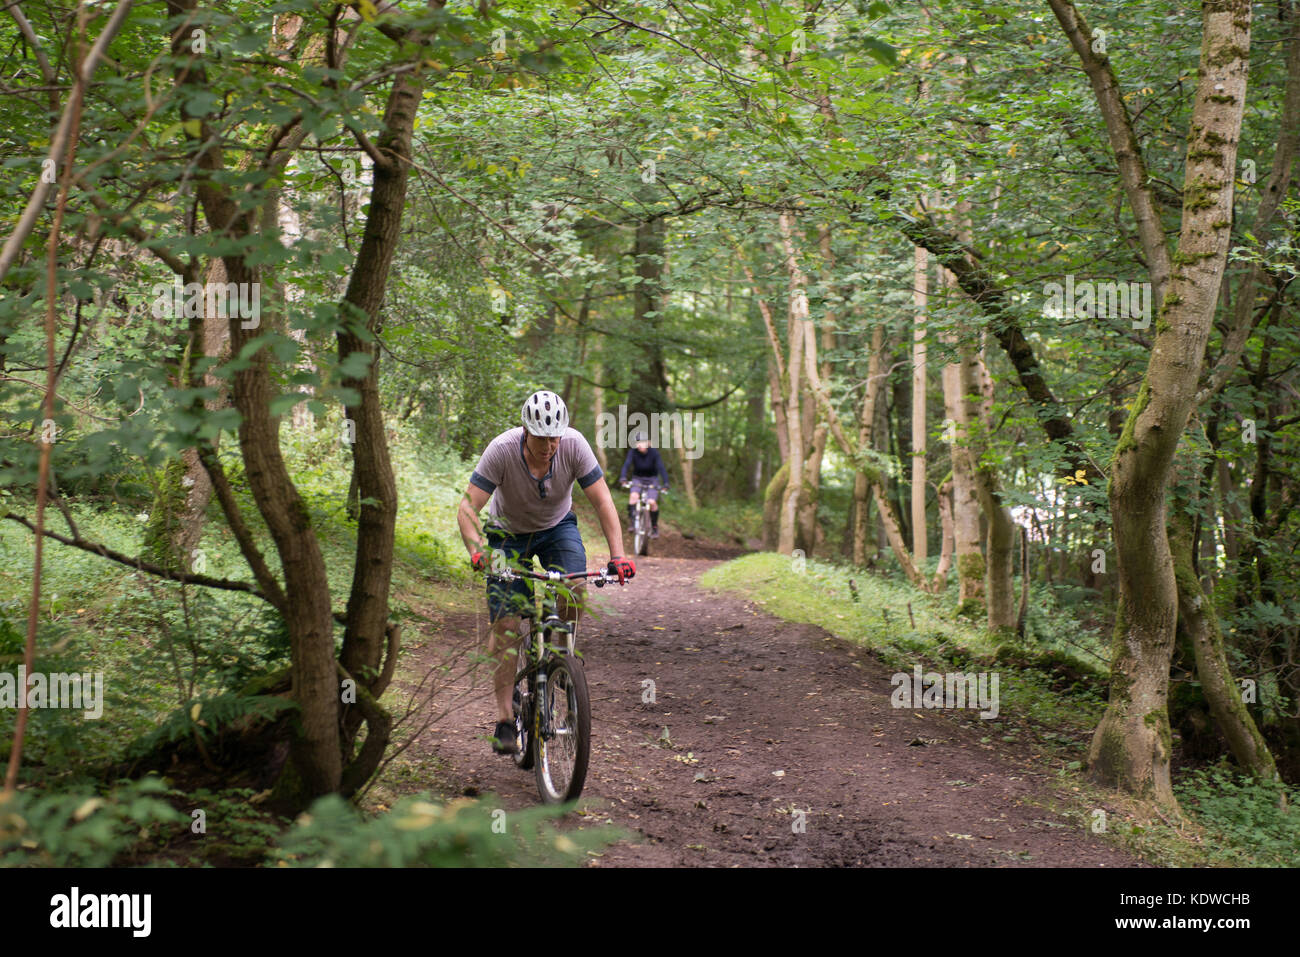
x=768 y=743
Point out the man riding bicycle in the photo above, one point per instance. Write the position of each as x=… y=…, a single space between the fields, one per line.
x=646 y=465
x=528 y=473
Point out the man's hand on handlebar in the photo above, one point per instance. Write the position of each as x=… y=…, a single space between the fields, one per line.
x=622 y=568
x=478 y=561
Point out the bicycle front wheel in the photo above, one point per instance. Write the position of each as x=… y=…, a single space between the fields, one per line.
x=564 y=750
x=641 y=544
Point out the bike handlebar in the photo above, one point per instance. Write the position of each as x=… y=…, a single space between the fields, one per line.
x=599 y=578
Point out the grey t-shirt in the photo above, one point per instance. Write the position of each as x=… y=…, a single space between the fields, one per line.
x=521 y=503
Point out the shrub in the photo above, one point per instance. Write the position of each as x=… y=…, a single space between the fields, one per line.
x=81 y=830
x=420 y=833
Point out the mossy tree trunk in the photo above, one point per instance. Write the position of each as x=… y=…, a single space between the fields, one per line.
x=968 y=540
x=862 y=486
x=773 y=495
x=920 y=392
x=1131 y=747
x=1198 y=626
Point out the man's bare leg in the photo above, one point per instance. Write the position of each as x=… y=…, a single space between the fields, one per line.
x=503 y=641
x=570 y=609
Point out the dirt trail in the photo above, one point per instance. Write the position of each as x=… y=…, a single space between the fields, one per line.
x=765 y=718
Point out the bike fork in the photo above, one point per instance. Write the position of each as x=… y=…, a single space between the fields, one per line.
x=540 y=709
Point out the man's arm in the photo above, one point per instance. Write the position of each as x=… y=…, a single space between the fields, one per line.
x=471 y=503
x=663 y=469
x=603 y=502
x=627 y=460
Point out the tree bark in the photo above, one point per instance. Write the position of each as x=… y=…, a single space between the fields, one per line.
x=1199 y=626
x=797 y=338
x=648 y=391
x=961 y=407
x=1132 y=744
x=946 y=540
x=308 y=615
x=866 y=425
x=920 y=298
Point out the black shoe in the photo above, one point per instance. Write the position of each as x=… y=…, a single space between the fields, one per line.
x=504 y=739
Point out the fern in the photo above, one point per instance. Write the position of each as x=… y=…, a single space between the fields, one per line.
x=419 y=833
x=209 y=716
x=82 y=829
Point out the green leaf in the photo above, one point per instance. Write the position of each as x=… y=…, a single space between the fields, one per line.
x=282 y=404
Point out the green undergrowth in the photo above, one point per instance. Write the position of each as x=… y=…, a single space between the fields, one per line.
x=1227 y=820
x=166 y=649
x=730 y=523
x=148 y=823
x=1247 y=823
x=419 y=832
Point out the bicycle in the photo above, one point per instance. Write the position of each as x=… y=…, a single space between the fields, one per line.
x=554 y=740
x=641 y=523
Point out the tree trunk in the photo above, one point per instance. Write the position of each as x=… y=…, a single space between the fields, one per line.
x=962 y=413
x=810 y=532
x=366 y=625
x=215 y=343
x=866 y=428
x=947 y=533
x=648 y=391
x=308 y=617
x=1001 y=529
x=964 y=407
x=1199 y=626
x=684 y=463
x=772 y=498
x=751 y=457
x=598 y=408
x=1132 y=744
x=920 y=297
x=1001 y=553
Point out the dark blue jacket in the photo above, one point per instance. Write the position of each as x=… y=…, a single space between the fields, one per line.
x=644 y=465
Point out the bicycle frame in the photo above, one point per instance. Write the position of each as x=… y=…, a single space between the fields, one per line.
x=549 y=670
x=536 y=645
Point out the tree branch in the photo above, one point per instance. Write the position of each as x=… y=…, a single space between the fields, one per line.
x=271 y=589
x=47 y=71
x=27 y=222
x=1244 y=315
x=139 y=564
x=1128 y=154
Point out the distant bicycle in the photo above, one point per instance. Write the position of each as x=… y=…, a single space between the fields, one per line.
x=552 y=707
x=642 y=524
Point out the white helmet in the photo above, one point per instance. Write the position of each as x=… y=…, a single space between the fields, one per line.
x=545 y=414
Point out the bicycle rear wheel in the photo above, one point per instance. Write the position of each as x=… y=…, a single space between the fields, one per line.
x=562 y=758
